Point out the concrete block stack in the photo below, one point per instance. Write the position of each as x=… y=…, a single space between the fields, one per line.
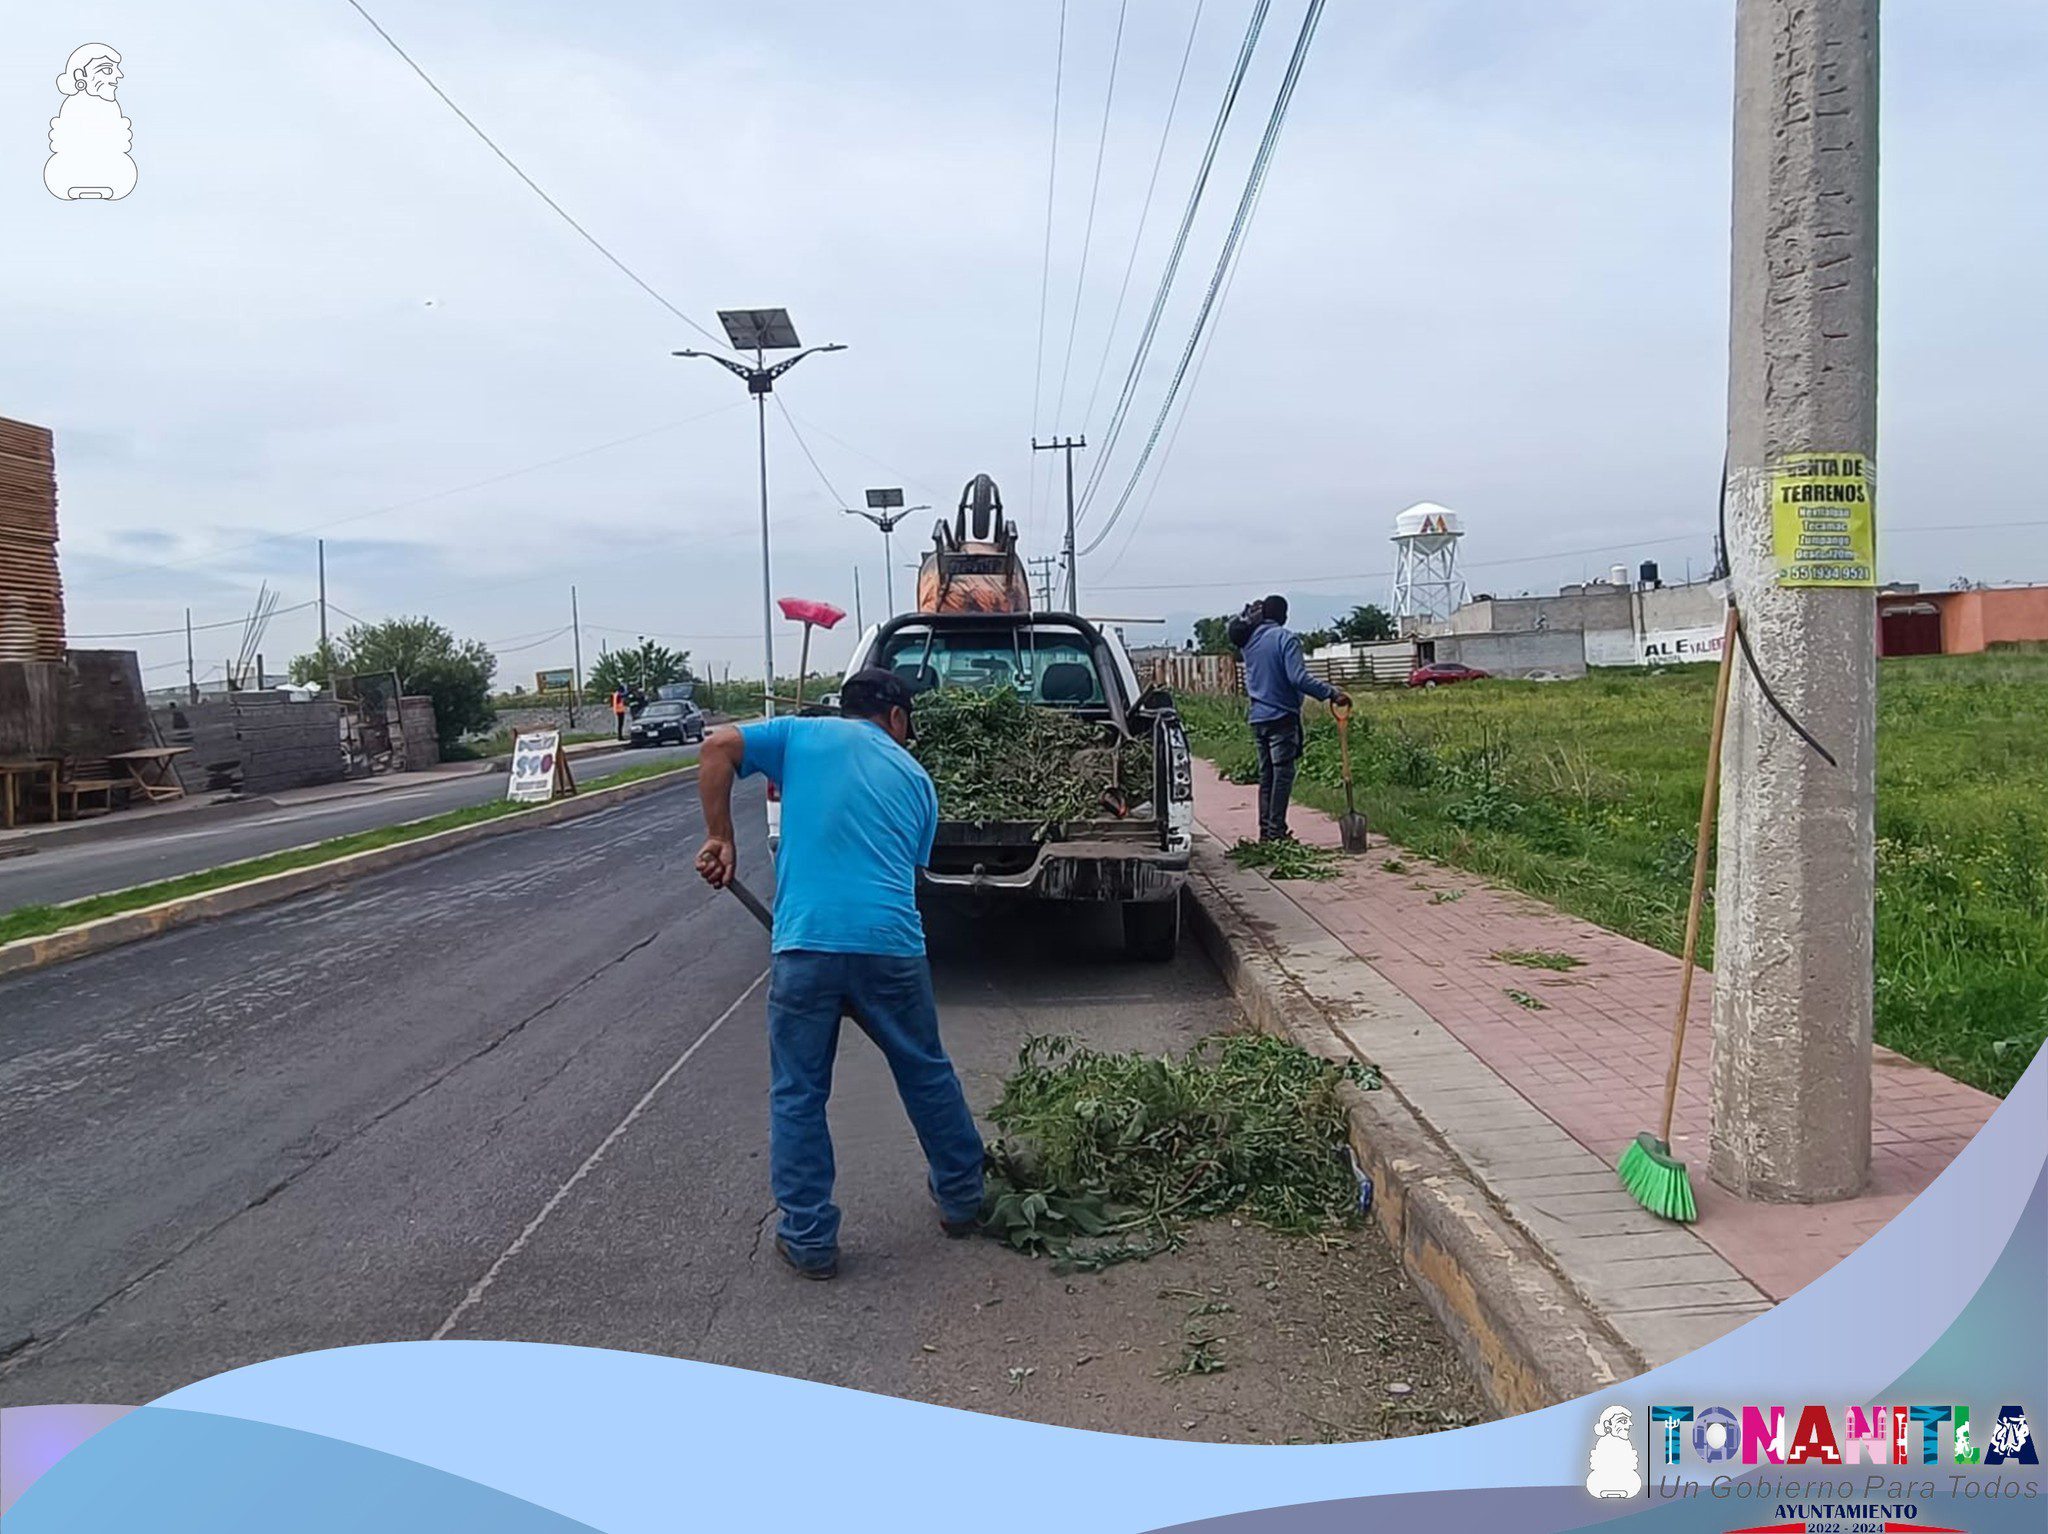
x=31 y=594
x=255 y=742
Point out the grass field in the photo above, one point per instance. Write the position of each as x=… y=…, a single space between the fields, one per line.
x=1586 y=794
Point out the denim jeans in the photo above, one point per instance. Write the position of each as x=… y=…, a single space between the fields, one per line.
x=890 y=997
x=1279 y=743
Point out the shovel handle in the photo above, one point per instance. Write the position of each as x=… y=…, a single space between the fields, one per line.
x=751 y=901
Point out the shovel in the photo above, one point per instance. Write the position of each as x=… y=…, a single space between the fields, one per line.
x=1351 y=824
x=751 y=901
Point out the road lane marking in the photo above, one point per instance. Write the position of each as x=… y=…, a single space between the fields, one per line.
x=476 y=1290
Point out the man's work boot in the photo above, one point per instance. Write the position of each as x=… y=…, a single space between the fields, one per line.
x=956 y=1230
x=829 y=1268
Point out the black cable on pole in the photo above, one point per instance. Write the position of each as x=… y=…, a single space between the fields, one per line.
x=1742 y=639
x=533 y=185
x=1121 y=409
x=1116 y=53
x=1249 y=198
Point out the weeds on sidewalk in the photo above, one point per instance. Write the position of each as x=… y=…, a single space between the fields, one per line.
x=1527 y=1002
x=1106 y=1158
x=1286 y=859
x=1538 y=958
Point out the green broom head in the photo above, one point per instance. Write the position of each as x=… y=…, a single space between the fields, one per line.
x=1657 y=1180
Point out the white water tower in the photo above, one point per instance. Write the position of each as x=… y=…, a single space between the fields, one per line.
x=1427 y=585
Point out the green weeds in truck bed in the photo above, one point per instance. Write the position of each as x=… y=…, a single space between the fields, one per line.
x=1586 y=794
x=993 y=756
x=1104 y=1158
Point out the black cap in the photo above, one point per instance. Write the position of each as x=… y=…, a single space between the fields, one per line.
x=871 y=692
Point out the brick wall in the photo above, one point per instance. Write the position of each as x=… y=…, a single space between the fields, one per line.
x=257 y=742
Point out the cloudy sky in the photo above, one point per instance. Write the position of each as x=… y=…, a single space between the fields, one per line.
x=1489 y=269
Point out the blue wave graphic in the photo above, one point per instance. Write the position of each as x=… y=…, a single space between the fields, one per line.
x=1946 y=1298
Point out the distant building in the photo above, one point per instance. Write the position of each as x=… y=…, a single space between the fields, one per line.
x=1595 y=623
x=1915 y=622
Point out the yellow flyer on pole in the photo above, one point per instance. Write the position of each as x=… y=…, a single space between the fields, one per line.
x=1824 y=520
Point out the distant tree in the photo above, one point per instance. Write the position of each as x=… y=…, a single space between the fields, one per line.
x=1210 y=637
x=1315 y=639
x=429 y=660
x=318 y=664
x=1364 y=624
x=641 y=669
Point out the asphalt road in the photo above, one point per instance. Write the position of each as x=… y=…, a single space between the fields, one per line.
x=57 y=872
x=519 y=1091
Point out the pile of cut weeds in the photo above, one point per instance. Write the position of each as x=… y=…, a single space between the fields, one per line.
x=1106 y=1158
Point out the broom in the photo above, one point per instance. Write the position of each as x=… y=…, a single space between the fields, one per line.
x=1654 y=1177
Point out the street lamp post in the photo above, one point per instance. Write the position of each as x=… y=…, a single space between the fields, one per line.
x=886 y=511
x=761 y=331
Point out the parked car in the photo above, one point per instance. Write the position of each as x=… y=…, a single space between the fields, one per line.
x=666 y=721
x=1441 y=673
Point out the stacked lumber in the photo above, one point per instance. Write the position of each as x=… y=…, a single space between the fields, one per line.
x=31 y=595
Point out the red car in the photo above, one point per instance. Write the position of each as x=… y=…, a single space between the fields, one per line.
x=1441 y=673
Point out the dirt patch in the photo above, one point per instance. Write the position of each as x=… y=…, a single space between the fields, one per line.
x=1243 y=1336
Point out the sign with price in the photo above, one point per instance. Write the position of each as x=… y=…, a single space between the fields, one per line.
x=539 y=770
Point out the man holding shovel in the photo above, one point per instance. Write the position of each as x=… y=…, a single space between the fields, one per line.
x=858 y=818
x=1276 y=679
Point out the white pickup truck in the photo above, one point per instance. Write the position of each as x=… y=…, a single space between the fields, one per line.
x=1138 y=860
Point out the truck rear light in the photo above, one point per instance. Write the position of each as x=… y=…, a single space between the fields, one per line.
x=1180 y=767
x=774 y=794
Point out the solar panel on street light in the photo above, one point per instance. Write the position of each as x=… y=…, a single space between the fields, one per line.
x=882 y=500
x=759 y=330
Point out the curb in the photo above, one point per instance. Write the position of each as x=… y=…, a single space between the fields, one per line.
x=33 y=953
x=1526 y=1333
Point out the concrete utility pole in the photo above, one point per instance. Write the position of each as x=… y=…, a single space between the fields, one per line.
x=1792 y=960
x=1067 y=446
x=191 y=677
x=859 y=625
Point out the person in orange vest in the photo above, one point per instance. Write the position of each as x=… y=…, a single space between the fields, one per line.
x=619 y=710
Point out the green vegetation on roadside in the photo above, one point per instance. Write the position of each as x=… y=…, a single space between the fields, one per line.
x=1586 y=794
x=1105 y=1158
x=1286 y=859
x=41 y=920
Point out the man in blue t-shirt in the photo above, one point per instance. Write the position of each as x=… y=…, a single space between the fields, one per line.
x=858 y=818
x=1276 y=678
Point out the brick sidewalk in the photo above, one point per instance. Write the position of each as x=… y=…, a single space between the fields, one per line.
x=1593 y=1059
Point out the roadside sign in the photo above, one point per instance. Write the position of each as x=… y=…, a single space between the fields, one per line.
x=540 y=771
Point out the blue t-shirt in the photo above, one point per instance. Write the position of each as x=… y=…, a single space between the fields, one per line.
x=858 y=818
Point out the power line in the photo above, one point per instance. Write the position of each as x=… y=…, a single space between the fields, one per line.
x=1143 y=350
x=1116 y=52
x=513 y=165
x=790 y=421
x=1187 y=400
x=1144 y=212
x=1282 y=99
x=1052 y=167
x=923 y=485
x=197 y=628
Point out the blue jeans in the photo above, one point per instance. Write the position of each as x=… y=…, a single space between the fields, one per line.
x=890 y=997
x=1279 y=745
